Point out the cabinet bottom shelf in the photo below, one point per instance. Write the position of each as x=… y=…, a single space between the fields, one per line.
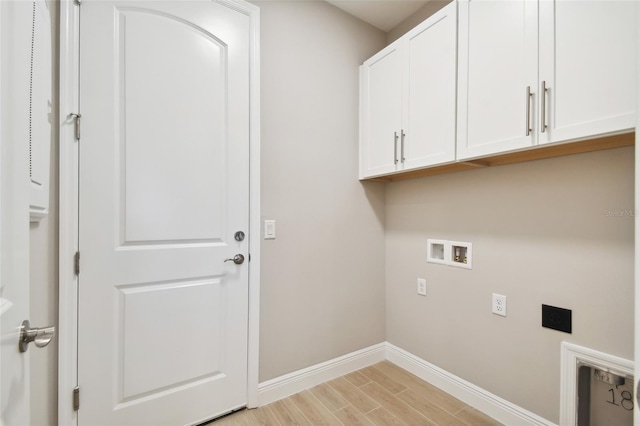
x=530 y=154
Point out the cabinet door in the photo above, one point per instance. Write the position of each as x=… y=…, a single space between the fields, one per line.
x=430 y=91
x=587 y=62
x=497 y=60
x=380 y=112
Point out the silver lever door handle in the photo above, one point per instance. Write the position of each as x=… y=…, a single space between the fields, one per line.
x=40 y=336
x=238 y=259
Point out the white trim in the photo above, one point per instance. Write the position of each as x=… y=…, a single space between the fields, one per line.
x=3 y=303
x=68 y=205
x=636 y=256
x=570 y=356
x=68 y=213
x=486 y=402
x=253 y=349
x=292 y=383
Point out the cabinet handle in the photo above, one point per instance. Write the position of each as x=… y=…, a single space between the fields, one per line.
x=528 y=121
x=395 y=147
x=543 y=107
x=402 y=135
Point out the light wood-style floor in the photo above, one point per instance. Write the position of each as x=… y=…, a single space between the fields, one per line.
x=382 y=394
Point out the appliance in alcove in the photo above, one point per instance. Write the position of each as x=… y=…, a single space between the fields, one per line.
x=604 y=397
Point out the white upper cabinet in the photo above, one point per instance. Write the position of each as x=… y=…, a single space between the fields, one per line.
x=497 y=69
x=380 y=111
x=588 y=66
x=429 y=90
x=578 y=83
x=407 y=100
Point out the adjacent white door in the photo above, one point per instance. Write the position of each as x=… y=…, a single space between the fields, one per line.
x=164 y=187
x=25 y=137
x=15 y=39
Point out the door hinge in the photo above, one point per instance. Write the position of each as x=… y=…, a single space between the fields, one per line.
x=76 y=398
x=76 y=263
x=76 y=118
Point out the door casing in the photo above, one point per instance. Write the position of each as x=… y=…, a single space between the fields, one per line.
x=68 y=202
x=636 y=413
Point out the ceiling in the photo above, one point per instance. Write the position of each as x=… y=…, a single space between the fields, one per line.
x=382 y=14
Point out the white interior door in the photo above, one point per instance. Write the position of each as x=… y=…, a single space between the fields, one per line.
x=14 y=211
x=164 y=187
x=25 y=123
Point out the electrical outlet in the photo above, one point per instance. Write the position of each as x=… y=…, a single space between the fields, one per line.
x=422 y=287
x=499 y=304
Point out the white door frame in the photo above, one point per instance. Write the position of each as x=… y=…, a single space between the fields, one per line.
x=2 y=248
x=68 y=202
x=636 y=331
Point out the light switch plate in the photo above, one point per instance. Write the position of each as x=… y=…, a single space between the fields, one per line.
x=269 y=229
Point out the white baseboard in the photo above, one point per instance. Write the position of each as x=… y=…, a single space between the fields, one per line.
x=484 y=401
x=292 y=383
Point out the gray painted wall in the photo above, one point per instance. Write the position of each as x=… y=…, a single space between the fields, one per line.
x=541 y=235
x=322 y=281
x=420 y=15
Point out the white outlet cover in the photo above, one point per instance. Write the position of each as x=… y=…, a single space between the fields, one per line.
x=422 y=287
x=499 y=304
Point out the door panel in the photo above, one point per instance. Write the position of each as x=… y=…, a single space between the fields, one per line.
x=430 y=91
x=143 y=309
x=497 y=62
x=164 y=168
x=173 y=161
x=381 y=94
x=589 y=67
